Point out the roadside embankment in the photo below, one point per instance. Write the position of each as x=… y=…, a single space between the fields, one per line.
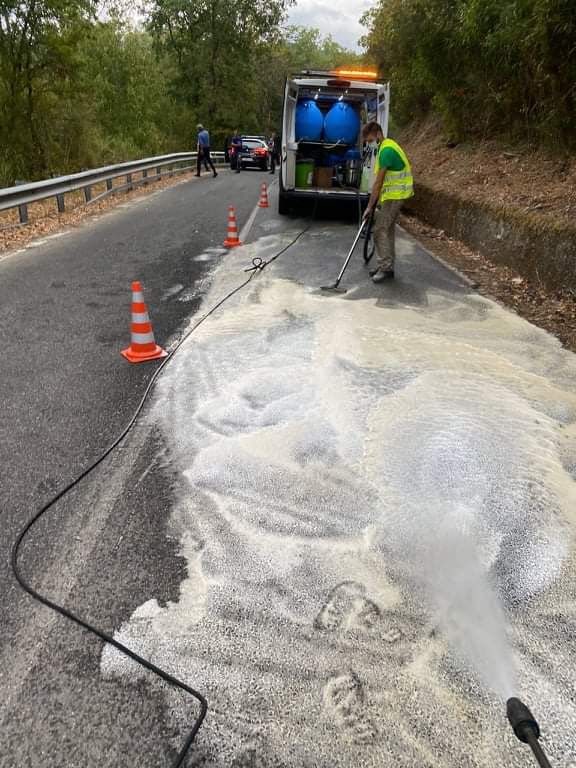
x=541 y=250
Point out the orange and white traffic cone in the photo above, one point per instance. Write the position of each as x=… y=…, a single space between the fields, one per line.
x=263 y=197
x=142 y=347
x=233 y=239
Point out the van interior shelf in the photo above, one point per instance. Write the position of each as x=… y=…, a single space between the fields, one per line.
x=329 y=145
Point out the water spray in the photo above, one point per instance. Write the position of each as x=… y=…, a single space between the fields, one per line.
x=526 y=729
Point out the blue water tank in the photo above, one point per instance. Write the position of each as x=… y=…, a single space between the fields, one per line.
x=309 y=121
x=334 y=160
x=342 y=124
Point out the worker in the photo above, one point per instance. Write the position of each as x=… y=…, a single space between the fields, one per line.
x=237 y=147
x=203 y=148
x=393 y=184
x=227 y=150
x=274 y=150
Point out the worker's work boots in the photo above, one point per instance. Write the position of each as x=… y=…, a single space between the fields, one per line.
x=380 y=275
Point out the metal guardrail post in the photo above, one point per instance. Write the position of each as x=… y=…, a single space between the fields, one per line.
x=87 y=194
x=109 y=184
x=23 y=208
x=60 y=203
x=129 y=184
x=145 y=176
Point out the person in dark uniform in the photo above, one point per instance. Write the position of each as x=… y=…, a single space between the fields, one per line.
x=204 y=151
x=274 y=147
x=237 y=146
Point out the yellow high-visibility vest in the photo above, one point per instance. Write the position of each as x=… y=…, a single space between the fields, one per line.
x=398 y=185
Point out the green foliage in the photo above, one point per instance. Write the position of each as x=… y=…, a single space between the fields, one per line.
x=78 y=91
x=306 y=48
x=300 y=48
x=217 y=45
x=38 y=41
x=132 y=109
x=486 y=66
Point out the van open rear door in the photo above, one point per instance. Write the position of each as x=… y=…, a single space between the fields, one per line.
x=289 y=145
x=384 y=107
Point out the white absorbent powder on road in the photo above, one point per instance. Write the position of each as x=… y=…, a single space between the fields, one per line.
x=376 y=510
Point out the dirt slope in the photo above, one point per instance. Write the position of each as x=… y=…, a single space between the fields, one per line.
x=492 y=172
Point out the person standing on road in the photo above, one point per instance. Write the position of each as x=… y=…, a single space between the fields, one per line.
x=394 y=183
x=200 y=156
x=204 y=150
x=274 y=149
x=237 y=147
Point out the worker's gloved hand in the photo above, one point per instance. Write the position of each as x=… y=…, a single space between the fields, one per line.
x=367 y=213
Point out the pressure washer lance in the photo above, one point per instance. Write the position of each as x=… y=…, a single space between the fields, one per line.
x=334 y=287
x=526 y=729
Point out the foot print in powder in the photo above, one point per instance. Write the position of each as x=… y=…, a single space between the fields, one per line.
x=344 y=703
x=392 y=635
x=348 y=608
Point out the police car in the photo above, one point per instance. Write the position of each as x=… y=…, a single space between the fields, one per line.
x=254 y=153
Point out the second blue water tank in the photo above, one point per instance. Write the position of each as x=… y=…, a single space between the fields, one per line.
x=341 y=124
x=309 y=121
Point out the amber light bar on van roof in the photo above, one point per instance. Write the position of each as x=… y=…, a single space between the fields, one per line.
x=360 y=74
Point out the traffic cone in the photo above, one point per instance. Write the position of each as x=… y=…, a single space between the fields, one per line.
x=263 y=197
x=142 y=347
x=232 y=240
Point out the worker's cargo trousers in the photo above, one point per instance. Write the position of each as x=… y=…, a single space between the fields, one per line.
x=383 y=231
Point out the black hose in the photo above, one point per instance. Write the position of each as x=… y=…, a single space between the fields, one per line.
x=537 y=751
x=526 y=728
x=257 y=266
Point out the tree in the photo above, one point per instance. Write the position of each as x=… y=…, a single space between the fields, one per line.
x=300 y=48
x=132 y=109
x=37 y=64
x=486 y=66
x=79 y=87
x=217 y=44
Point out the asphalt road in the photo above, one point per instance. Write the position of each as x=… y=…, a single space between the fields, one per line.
x=65 y=392
x=374 y=494
x=255 y=531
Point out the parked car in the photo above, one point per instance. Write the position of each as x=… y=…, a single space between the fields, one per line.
x=254 y=154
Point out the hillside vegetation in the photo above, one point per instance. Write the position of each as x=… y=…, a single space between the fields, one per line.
x=81 y=86
x=486 y=67
x=84 y=83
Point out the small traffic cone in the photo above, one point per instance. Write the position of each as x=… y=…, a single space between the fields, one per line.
x=232 y=240
x=142 y=347
x=263 y=197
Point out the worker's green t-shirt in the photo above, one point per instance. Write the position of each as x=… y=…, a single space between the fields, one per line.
x=389 y=158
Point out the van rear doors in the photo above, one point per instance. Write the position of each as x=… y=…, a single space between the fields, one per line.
x=369 y=99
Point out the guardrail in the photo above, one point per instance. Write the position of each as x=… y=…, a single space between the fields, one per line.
x=22 y=194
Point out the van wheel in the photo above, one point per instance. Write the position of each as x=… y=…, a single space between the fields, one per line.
x=283 y=204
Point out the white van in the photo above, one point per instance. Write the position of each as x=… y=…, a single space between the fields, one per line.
x=322 y=155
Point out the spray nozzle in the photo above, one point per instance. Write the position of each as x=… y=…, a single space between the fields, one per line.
x=521 y=720
x=526 y=728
